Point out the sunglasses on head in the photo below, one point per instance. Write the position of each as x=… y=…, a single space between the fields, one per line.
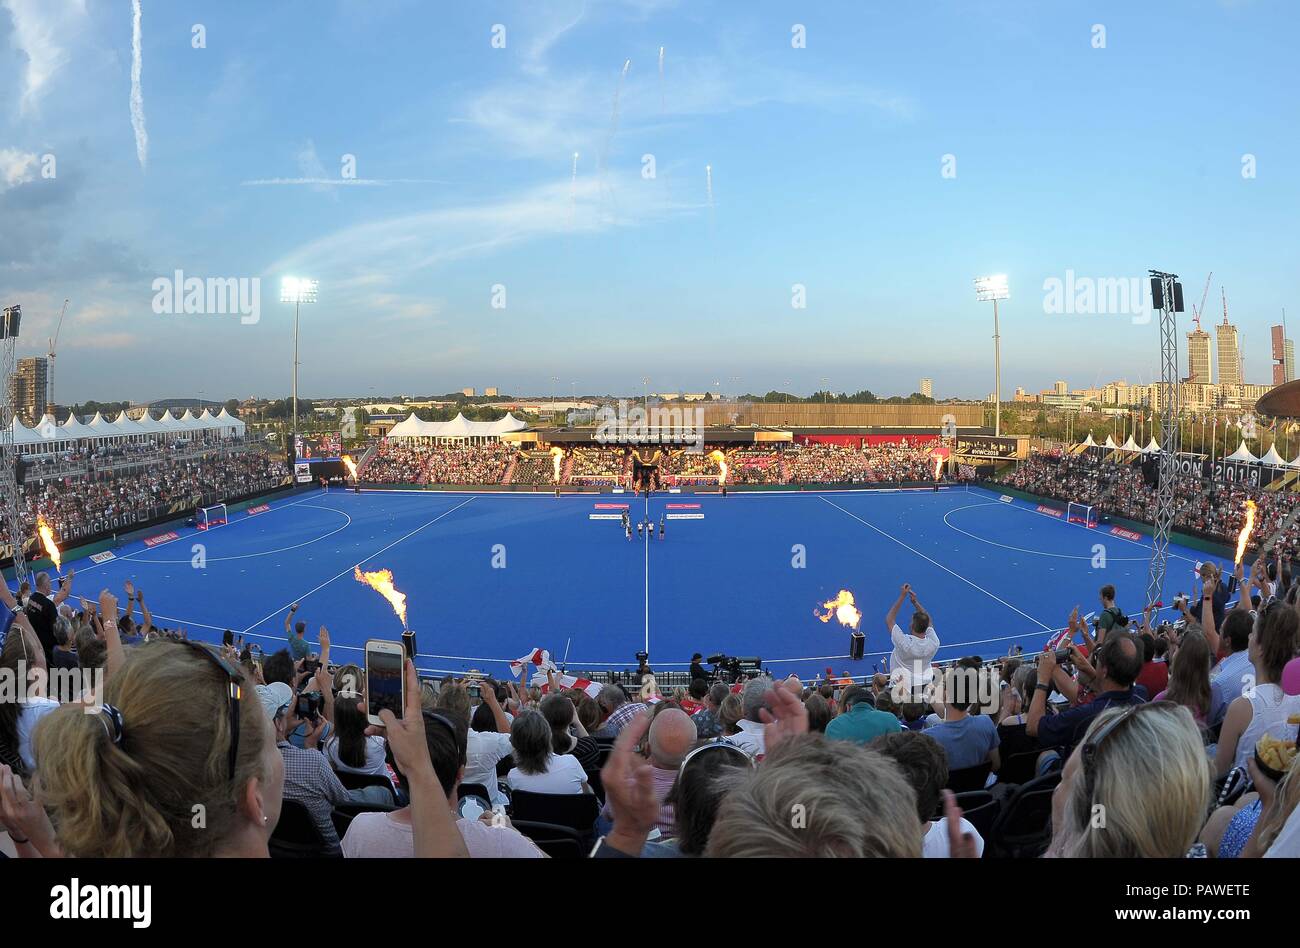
x=234 y=692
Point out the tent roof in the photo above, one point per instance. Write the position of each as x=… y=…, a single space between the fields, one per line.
x=124 y=425
x=1110 y=442
x=458 y=427
x=1152 y=447
x=1241 y=454
x=1272 y=457
x=72 y=428
x=1088 y=442
x=1130 y=445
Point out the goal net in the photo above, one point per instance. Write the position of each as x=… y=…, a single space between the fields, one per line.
x=1083 y=514
x=209 y=517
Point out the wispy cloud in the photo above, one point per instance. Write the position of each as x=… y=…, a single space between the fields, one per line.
x=137 y=90
x=16 y=167
x=338 y=182
x=42 y=31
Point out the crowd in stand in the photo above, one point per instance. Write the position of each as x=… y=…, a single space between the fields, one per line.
x=1182 y=734
x=399 y=461
x=1214 y=510
x=86 y=504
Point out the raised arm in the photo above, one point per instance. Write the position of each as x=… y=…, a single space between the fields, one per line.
x=65 y=588
x=116 y=656
x=891 y=617
x=146 y=623
x=1207 y=621
x=489 y=692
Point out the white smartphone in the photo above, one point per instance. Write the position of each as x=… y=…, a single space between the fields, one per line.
x=385 y=678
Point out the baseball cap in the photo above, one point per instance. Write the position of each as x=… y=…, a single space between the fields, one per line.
x=274 y=696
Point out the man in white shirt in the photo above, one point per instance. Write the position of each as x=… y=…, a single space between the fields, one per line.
x=752 y=699
x=909 y=665
x=484 y=749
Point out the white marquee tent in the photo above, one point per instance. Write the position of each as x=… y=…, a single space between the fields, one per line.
x=1241 y=454
x=459 y=427
x=50 y=436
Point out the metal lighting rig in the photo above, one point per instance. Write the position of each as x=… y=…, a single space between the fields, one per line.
x=1167 y=297
x=12 y=318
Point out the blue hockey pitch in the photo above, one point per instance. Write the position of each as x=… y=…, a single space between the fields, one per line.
x=491 y=576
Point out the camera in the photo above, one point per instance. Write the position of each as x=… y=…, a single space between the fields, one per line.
x=1062 y=656
x=309 y=705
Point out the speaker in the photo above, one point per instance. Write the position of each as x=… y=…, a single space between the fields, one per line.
x=1151 y=471
x=857 y=646
x=1178 y=297
x=20 y=471
x=1157 y=293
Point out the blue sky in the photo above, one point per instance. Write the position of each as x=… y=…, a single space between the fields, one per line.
x=826 y=166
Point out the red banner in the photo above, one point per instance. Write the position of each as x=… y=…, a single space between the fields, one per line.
x=162 y=538
x=1050 y=511
x=260 y=508
x=682 y=506
x=1126 y=534
x=611 y=506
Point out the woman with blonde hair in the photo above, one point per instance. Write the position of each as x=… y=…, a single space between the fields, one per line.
x=1107 y=805
x=650 y=690
x=1189 y=675
x=181 y=732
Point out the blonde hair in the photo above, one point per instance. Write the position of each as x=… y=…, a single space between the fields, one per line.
x=1129 y=815
x=814 y=797
x=649 y=687
x=139 y=798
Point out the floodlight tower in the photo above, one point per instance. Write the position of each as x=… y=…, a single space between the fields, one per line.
x=296 y=290
x=12 y=318
x=992 y=289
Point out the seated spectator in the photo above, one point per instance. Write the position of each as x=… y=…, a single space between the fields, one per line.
x=1189 y=674
x=859 y=721
x=969 y=738
x=1012 y=738
x=1234 y=672
x=704 y=778
x=1119 y=659
x=1107 y=805
x=1265 y=708
x=730 y=713
x=1154 y=676
x=618 y=711
x=813 y=797
x=391 y=835
x=706 y=719
x=308 y=778
x=925 y=765
x=819 y=713
x=125 y=780
x=484 y=749
x=568 y=736
x=694 y=699
x=22 y=662
x=538 y=769
x=349 y=749
x=749 y=729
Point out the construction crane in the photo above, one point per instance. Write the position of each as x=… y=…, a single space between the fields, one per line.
x=1197 y=313
x=49 y=372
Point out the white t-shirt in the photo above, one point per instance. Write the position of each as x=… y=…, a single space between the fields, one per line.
x=935 y=844
x=750 y=737
x=30 y=712
x=379 y=836
x=375 y=764
x=484 y=750
x=909 y=665
x=563 y=775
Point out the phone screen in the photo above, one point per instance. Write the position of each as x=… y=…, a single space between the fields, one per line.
x=384 y=681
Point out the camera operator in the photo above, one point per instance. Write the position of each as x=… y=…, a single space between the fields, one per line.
x=698 y=670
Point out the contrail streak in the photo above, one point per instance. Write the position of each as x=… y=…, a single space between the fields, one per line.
x=137 y=93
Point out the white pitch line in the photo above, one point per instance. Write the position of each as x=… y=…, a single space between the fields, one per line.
x=369 y=556
x=647 y=573
x=996 y=598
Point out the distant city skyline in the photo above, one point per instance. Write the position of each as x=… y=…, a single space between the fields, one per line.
x=768 y=210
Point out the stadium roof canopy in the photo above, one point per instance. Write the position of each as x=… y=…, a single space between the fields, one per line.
x=101 y=429
x=1281 y=402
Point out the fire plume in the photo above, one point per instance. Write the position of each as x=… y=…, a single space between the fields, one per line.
x=841 y=608
x=47 y=540
x=351 y=465
x=722 y=465
x=557 y=460
x=381 y=581
x=1244 y=537
x=938 y=468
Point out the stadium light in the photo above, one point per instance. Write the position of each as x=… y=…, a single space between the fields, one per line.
x=991 y=289
x=296 y=290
